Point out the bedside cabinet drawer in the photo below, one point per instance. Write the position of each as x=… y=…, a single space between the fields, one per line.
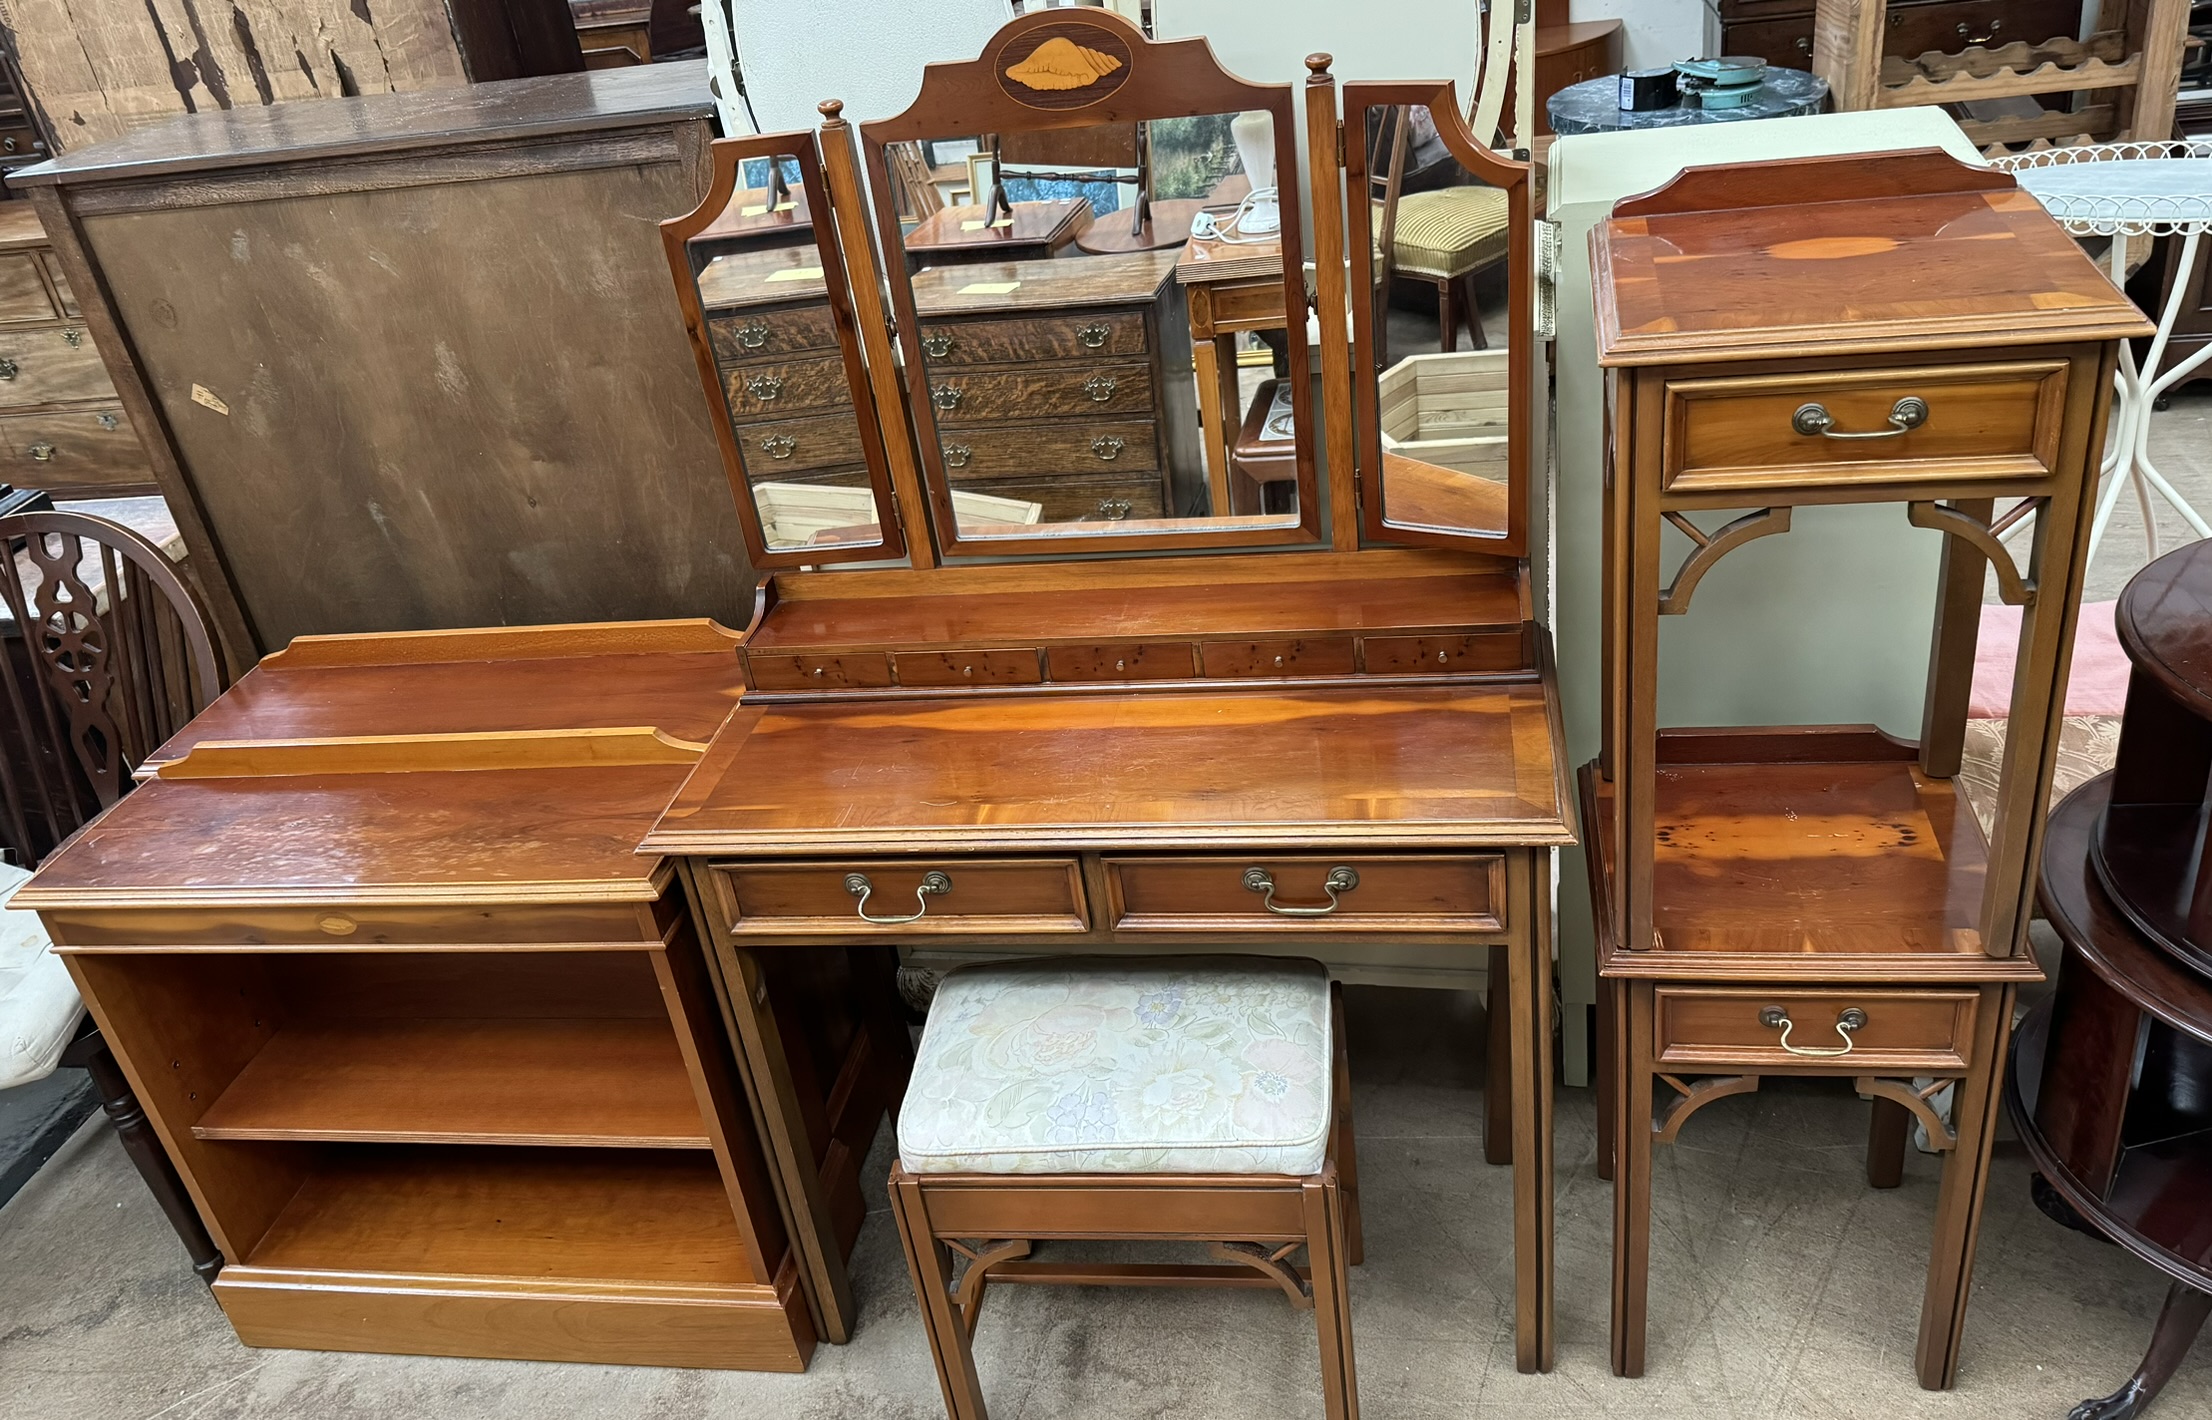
x=1916 y=1032
x=1937 y=423
x=1458 y=892
x=908 y=896
x=42 y=366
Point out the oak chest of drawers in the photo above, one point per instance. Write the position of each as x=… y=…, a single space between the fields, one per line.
x=62 y=428
x=1069 y=392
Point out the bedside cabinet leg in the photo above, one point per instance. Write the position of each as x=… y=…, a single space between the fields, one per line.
x=1632 y=1087
x=1497 y=1079
x=1959 y=1201
x=1607 y=1086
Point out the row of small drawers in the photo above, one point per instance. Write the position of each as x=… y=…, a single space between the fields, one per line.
x=1442 y=653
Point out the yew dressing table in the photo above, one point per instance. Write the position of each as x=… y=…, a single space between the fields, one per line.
x=1326 y=728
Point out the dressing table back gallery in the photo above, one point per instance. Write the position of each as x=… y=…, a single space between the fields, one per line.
x=1050 y=656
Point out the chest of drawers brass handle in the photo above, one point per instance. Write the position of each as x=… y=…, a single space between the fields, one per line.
x=1113 y=510
x=753 y=334
x=765 y=388
x=1339 y=881
x=946 y=397
x=1100 y=388
x=109 y=421
x=1852 y=1019
x=1093 y=336
x=957 y=455
x=72 y=337
x=1107 y=447
x=937 y=345
x=7 y=368
x=932 y=884
x=42 y=451
x=779 y=446
x=1905 y=416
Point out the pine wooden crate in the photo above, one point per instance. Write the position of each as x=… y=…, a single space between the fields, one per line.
x=1449 y=410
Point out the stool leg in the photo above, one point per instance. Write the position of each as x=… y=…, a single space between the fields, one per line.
x=1474 y=312
x=948 y=1335
x=1447 y=315
x=1631 y=1178
x=1343 y=1146
x=2179 y=1321
x=1887 y=1133
x=1497 y=1084
x=1332 y=1311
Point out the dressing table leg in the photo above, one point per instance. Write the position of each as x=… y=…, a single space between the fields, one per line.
x=1529 y=979
x=1959 y=1201
x=1607 y=1083
x=1886 y=1135
x=1497 y=1080
x=1631 y=1175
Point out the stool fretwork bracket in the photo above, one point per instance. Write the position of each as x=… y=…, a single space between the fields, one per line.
x=2012 y=587
x=1711 y=548
x=967 y=1287
x=1271 y=1262
x=1694 y=1097
x=1920 y=1101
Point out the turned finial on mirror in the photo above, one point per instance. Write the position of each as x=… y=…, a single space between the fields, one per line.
x=832 y=111
x=1317 y=64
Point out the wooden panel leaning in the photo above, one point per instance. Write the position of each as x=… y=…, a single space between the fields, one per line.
x=1816 y=900
x=437 y=1053
x=1256 y=1170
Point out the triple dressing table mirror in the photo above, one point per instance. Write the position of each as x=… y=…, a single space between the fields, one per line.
x=1173 y=700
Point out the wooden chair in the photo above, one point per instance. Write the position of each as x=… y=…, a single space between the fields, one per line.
x=111 y=656
x=1180 y=1099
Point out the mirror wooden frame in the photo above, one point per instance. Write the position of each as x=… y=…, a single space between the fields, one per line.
x=728 y=156
x=1441 y=98
x=1158 y=80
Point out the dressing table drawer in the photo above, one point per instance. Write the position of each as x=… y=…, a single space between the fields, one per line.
x=1436 y=655
x=22 y=294
x=1136 y=660
x=951 y=668
x=1430 y=892
x=781 y=388
x=1074 y=335
x=859 y=670
x=1923 y=1032
x=1071 y=447
x=794 y=445
x=906 y=895
x=1928 y=424
x=743 y=336
x=39 y=366
x=1047 y=392
x=1280 y=656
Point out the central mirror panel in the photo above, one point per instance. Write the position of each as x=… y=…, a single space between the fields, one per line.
x=1100 y=294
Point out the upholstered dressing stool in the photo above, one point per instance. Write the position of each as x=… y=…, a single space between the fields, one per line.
x=1186 y=1098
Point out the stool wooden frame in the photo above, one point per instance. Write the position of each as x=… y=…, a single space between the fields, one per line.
x=1252 y=1224
x=1751 y=881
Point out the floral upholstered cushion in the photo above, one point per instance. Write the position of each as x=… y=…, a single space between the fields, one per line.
x=1185 y=1064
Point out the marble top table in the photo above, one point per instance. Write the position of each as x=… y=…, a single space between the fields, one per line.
x=1594 y=106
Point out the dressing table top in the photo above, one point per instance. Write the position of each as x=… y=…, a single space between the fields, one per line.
x=1397 y=766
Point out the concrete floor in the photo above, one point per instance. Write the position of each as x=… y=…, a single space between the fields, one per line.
x=1782 y=1286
